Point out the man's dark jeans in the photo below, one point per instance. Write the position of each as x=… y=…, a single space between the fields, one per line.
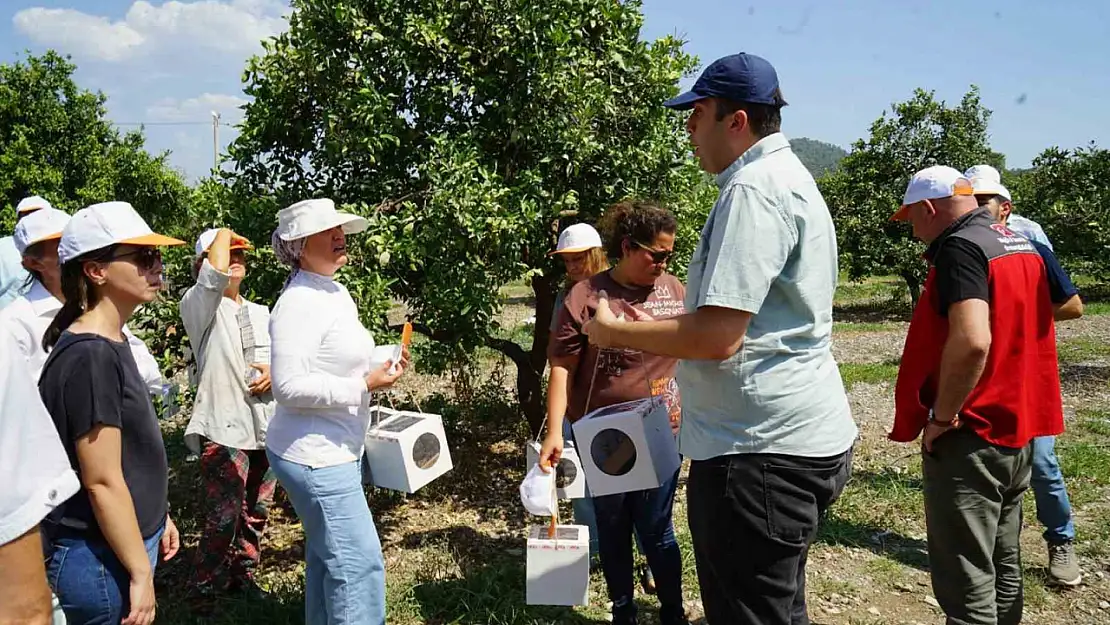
x=649 y=511
x=752 y=519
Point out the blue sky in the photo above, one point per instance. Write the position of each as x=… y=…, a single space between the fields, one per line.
x=1041 y=66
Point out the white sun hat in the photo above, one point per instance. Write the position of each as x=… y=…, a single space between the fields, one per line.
x=985 y=180
x=41 y=225
x=577 y=238
x=205 y=240
x=33 y=203
x=108 y=223
x=308 y=217
x=932 y=183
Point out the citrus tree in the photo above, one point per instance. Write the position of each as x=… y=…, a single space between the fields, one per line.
x=468 y=132
x=868 y=185
x=1066 y=192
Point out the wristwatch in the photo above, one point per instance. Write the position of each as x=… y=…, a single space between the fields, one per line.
x=951 y=423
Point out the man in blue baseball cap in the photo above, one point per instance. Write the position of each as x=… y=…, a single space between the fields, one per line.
x=766 y=420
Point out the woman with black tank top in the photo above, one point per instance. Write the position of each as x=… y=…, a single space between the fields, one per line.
x=105 y=540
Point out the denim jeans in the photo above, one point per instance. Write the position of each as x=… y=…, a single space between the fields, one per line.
x=92 y=586
x=1053 y=507
x=752 y=519
x=344 y=570
x=649 y=512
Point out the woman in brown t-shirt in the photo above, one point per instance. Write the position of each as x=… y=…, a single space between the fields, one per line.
x=641 y=235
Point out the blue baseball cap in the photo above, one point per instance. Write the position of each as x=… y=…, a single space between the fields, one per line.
x=739 y=77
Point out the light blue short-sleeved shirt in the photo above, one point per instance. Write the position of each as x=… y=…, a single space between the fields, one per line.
x=768 y=248
x=1029 y=229
x=13 y=277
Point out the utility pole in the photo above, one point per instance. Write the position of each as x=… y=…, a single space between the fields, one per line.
x=215 y=140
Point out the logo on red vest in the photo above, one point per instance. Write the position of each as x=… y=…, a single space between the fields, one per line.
x=1002 y=230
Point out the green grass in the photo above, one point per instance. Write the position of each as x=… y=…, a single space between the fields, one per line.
x=1082 y=349
x=1096 y=308
x=869 y=290
x=1084 y=453
x=869 y=373
x=848 y=327
x=885 y=571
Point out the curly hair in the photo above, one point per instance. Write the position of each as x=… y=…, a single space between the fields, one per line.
x=634 y=220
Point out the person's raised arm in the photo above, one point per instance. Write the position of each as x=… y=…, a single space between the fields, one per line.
x=202 y=300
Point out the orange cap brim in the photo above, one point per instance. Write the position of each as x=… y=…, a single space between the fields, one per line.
x=49 y=237
x=573 y=250
x=153 y=240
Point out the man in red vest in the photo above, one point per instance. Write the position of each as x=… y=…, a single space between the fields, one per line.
x=979 y=381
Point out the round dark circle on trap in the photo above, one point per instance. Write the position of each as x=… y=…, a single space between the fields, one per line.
x=565 y=473
x=613 y=452
x=425 y=451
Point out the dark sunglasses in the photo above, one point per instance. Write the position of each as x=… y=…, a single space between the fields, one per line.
x=657 y=256
x=145 y=258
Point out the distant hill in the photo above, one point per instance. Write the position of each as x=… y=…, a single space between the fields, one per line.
x=818 y=156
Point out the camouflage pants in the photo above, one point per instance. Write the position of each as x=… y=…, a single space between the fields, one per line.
x=239 y=488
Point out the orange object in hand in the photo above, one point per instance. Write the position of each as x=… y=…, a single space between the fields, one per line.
x=406 y=334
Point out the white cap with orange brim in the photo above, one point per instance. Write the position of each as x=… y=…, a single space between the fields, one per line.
x=577 y=238
x=108 y=223
x=42 y=225
x=33 y=203
x=932 y=183
x=205 y=240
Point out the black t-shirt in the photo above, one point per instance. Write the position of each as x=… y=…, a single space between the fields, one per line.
x=962 y=273
x=87 y=381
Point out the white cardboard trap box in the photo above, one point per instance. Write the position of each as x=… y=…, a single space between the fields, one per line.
x=558 y=569
x=627 y=447
x=405 y=450
x=570 y=480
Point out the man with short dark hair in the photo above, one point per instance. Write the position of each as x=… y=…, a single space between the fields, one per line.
x=766 y=420
x=979 y=382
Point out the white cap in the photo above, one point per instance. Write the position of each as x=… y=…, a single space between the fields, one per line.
x=32 y=203
x=308 y=217
x=577 y=238
x=986 y=172
x=108 y=223
x=932 y=183
x=41 y=225
x=537 y=492
x=204 y=241
x=985 y=180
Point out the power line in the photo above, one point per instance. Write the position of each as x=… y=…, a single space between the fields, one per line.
x=187 y=123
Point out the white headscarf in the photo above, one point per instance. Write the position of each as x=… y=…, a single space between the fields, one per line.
x=288 y=253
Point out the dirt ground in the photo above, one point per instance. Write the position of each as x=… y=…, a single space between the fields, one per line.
x=454 y=551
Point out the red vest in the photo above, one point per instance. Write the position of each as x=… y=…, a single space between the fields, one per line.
x=1018 y=396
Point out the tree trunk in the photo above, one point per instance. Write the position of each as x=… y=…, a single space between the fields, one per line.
x=530 y=364
x=914 y=286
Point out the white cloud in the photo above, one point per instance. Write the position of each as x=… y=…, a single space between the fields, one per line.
x=235 y=27
x=79 y=33
x=197 y=109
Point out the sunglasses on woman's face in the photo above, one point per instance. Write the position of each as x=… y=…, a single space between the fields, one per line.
x=657 y=256
x=144 y=258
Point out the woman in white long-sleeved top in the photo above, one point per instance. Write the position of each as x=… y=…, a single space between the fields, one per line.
x=322 y=378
